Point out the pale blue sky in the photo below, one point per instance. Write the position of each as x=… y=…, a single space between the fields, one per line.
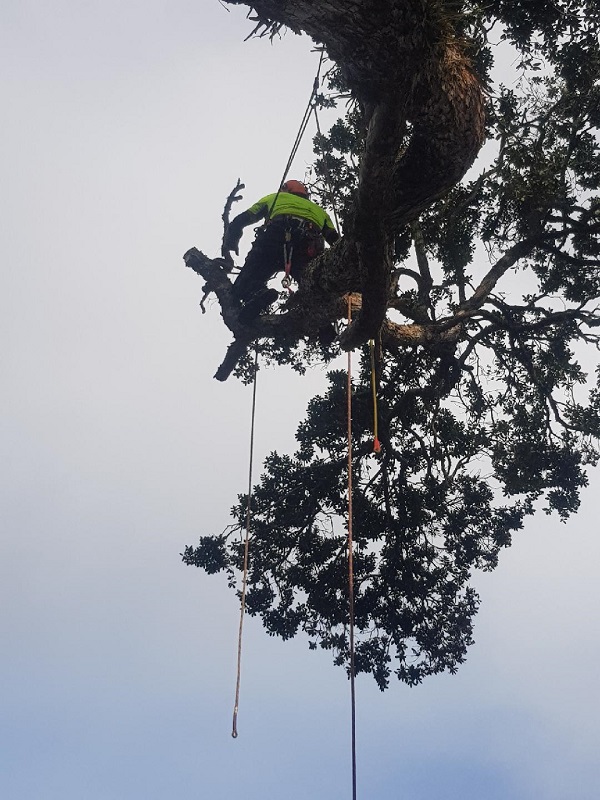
x=125 y=126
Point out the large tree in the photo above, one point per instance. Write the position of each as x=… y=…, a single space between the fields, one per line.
x=481 y=293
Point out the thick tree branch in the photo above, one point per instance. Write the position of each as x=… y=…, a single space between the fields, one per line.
x=404 y=66
x=486 y=286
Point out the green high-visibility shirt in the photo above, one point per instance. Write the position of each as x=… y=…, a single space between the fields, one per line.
x=292 y=205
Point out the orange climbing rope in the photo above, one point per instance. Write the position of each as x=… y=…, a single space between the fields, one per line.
x=351 y=562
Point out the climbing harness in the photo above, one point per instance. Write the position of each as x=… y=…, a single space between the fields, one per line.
x=234 y=732
x=351 y=561
x=307 y=233
x=288 y=250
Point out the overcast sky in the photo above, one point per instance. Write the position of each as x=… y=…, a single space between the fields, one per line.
x=125 y=125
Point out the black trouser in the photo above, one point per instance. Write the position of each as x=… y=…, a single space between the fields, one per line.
x=268 y=254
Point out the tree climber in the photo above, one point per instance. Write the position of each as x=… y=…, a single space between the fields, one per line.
x=295 y=232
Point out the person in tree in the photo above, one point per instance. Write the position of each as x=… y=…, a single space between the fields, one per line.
x=295 y=231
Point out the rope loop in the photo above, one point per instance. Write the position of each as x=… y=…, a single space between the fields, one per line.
x=351 y=561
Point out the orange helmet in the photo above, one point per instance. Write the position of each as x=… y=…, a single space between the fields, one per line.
x=295 y=187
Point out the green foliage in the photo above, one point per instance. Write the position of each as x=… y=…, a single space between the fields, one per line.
x=477 y=433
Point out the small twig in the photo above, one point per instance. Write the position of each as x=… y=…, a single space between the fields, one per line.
x=226 y=260
x=204 y=296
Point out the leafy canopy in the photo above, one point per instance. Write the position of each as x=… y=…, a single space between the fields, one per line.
x=492 y=421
